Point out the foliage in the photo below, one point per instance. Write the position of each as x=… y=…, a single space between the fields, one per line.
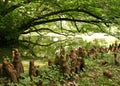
x=57 y=16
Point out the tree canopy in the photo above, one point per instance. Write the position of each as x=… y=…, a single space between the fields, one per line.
x=58 y=16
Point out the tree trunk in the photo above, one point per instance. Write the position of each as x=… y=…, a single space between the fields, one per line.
x=8 y=38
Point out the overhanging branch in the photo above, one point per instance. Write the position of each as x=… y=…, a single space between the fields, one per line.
x=40 y=19
x=66 y=19
x=70 y=10
x=38 y=44
x=40 y=29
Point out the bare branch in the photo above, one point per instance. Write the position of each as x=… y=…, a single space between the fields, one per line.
x=74 y=23
x=72 y=31
x=38 y=44
x=100 y=28
x=36 y=30
x=76 y=27
x=66 y=19
x=61 y=26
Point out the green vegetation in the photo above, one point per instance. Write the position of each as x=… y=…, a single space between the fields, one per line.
x=26 y=25
x=92 y=74
x=57 y=16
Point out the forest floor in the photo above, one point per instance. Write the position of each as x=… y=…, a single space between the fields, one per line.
x=37 y=63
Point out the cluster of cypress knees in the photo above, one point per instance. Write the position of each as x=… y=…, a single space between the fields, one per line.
x=11 y=69
x=70 y=62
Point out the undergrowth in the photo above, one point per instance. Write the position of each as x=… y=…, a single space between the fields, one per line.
x=91 y=76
